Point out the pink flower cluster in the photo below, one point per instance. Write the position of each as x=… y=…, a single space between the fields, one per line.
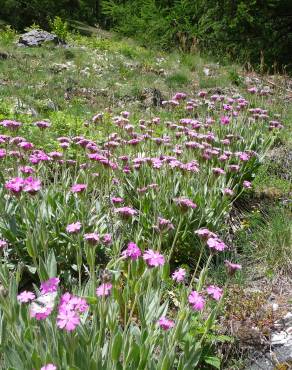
x=69 y=311
x=28 y=185
x=212 y=240
x=133 y=251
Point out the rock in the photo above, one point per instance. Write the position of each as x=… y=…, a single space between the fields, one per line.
x=151 y=97
x=3 y=55
x=288 y=319
x=38 y=37
x=280 y=339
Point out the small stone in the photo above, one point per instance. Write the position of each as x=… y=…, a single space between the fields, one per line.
x=279 y=339
x=288 y=318
x=275 y=306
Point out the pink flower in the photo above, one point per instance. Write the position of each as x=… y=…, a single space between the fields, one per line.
x=165 y=323
x=205 y=233
x=31 y=185
x=104 y=290
x=164 y=224
x=217 y=244
x=185 y=203
x=92 y=238
x=3 y=243
x=67 y=319
x=247 y=184
x=107 y=239
x=218 y=171
x=15 y=185
x=228 y=191
x=196 y=301
x=179 y=275
x=43 y=124
x=126 y=212
x=50 y=286
x=78 y=188
x=10 y=124
x=153 y=259
x=25 y=297
x=225 y=120
x=215 y=292
x=232 y=267
x=116 y=200
x=133 y=251
x=49 y=367
x=74 y=228
x=26 y=169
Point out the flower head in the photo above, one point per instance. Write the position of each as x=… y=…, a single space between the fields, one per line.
x=179 y=275
x=232 y=267
x=215 y=292
x=185 y=203
x=126 y=212
x=25 y=297
x=104 y=290
x=165 y=323
x=205 y=233
x=92 y=238
x=67 y=319
x=196 y=301
x=153 y=258
x=247 y=184
x=217 y=244
x=3 y=243
x=78 y=188
x=73 y=228
x=133 y=251
x=49 y=367
x=50 y=286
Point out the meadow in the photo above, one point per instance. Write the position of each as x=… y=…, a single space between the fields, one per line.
x=120 y=170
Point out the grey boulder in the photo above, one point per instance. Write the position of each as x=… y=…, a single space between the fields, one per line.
x=38 y=37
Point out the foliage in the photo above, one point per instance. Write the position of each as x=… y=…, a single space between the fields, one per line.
x=255 y=31
x=7 y=35
x=59 y=27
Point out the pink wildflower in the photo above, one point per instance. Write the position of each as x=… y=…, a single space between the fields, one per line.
x=247 y=184
x=225 y=120
x=49 y=367
x=179 y=275
x=215 y=292
x=153 y=258
x=78 y=188
x=15 y=185
x=104 y=290
x=205 y=233
x=196 y=301
x=74 y=227
x=165 y=323
x=43 y=124
x=3 y=243
x=107 y=239
x=185 y=203
x=67 y=319
x=126 y=212
x=217 y=244
x=25 y=296
x=92 y=238
x=133 y=251
x=232 y=267
x=50 y=286
x=117 y=200
x=31 y=185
